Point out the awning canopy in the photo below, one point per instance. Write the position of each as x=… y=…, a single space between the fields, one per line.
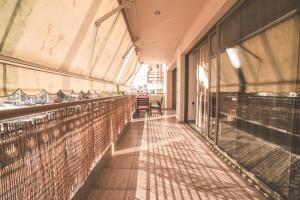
x=58 y=34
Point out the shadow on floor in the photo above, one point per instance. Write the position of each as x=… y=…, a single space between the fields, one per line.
x=159 y=158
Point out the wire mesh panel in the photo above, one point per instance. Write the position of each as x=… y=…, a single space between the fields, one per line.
x=114 y=119
x=49 y=155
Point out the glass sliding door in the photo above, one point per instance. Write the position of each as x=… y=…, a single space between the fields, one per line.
x=202 y=106
x=258 y=109
x=213 y=88
x=248 y=91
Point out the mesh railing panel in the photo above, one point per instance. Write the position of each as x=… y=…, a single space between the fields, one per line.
x=50 y=155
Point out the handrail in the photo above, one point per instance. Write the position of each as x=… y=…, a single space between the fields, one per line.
x=30 y=110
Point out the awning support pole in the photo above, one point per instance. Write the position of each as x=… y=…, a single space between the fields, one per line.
x=96 y=27
x=136 y=72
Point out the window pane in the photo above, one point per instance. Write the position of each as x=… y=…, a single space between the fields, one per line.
x=213 y=99
x=202 y=89
x=259 y=96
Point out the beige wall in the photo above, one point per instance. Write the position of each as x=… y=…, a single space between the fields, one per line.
x=180 y=86
x=169 y=90
x=211 y=12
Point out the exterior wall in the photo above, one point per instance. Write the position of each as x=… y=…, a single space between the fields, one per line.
x=210 y=14
x=180 y=86
x=250 y=105
x=169 y=90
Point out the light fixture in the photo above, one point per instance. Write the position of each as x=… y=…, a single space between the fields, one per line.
x=157 y=12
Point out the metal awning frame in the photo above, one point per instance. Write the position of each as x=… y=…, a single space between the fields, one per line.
x=98 y=23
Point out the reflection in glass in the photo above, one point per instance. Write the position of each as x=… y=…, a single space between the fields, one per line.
x=258 y=101
x=213 y=99
x=202 y=89
x=234 y=57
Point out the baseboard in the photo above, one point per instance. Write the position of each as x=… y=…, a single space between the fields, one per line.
x=84 y=191
x=120 y=135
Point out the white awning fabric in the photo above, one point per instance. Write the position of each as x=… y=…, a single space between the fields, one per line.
x=58 y=34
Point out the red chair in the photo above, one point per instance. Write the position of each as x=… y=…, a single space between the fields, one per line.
x=142 y=104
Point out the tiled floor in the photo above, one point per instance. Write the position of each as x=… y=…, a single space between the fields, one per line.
x=158 y=158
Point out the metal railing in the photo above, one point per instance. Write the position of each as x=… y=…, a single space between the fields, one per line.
x=155 y=77
x=47 y=152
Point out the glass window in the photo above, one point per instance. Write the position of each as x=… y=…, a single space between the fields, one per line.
x=202 y=89
x=257 y=114
x=213 y=99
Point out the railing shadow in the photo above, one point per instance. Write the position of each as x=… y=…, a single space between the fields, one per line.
x=169 y=162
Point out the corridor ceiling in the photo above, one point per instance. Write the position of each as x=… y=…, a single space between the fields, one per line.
x=157 y=36
x=58 y=34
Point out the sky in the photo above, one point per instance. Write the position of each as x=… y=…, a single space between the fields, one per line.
x=141 y=76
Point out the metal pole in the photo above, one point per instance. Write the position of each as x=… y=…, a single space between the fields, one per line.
x=103 y=45
x=136 y=72
x=97 y=25
x=133 y=39
x=124 y=63
x=125 y=54
x=132 y=72
x=94 y=37
x=112 y=12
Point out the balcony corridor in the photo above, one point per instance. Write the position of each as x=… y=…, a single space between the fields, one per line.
x=159 y=158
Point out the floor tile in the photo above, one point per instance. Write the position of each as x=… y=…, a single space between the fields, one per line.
x=122 y=160
x=142 y=179
x=144 y=195
x=159 y=158
x=97 y=194
x=128 y=142
x=113 y=179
